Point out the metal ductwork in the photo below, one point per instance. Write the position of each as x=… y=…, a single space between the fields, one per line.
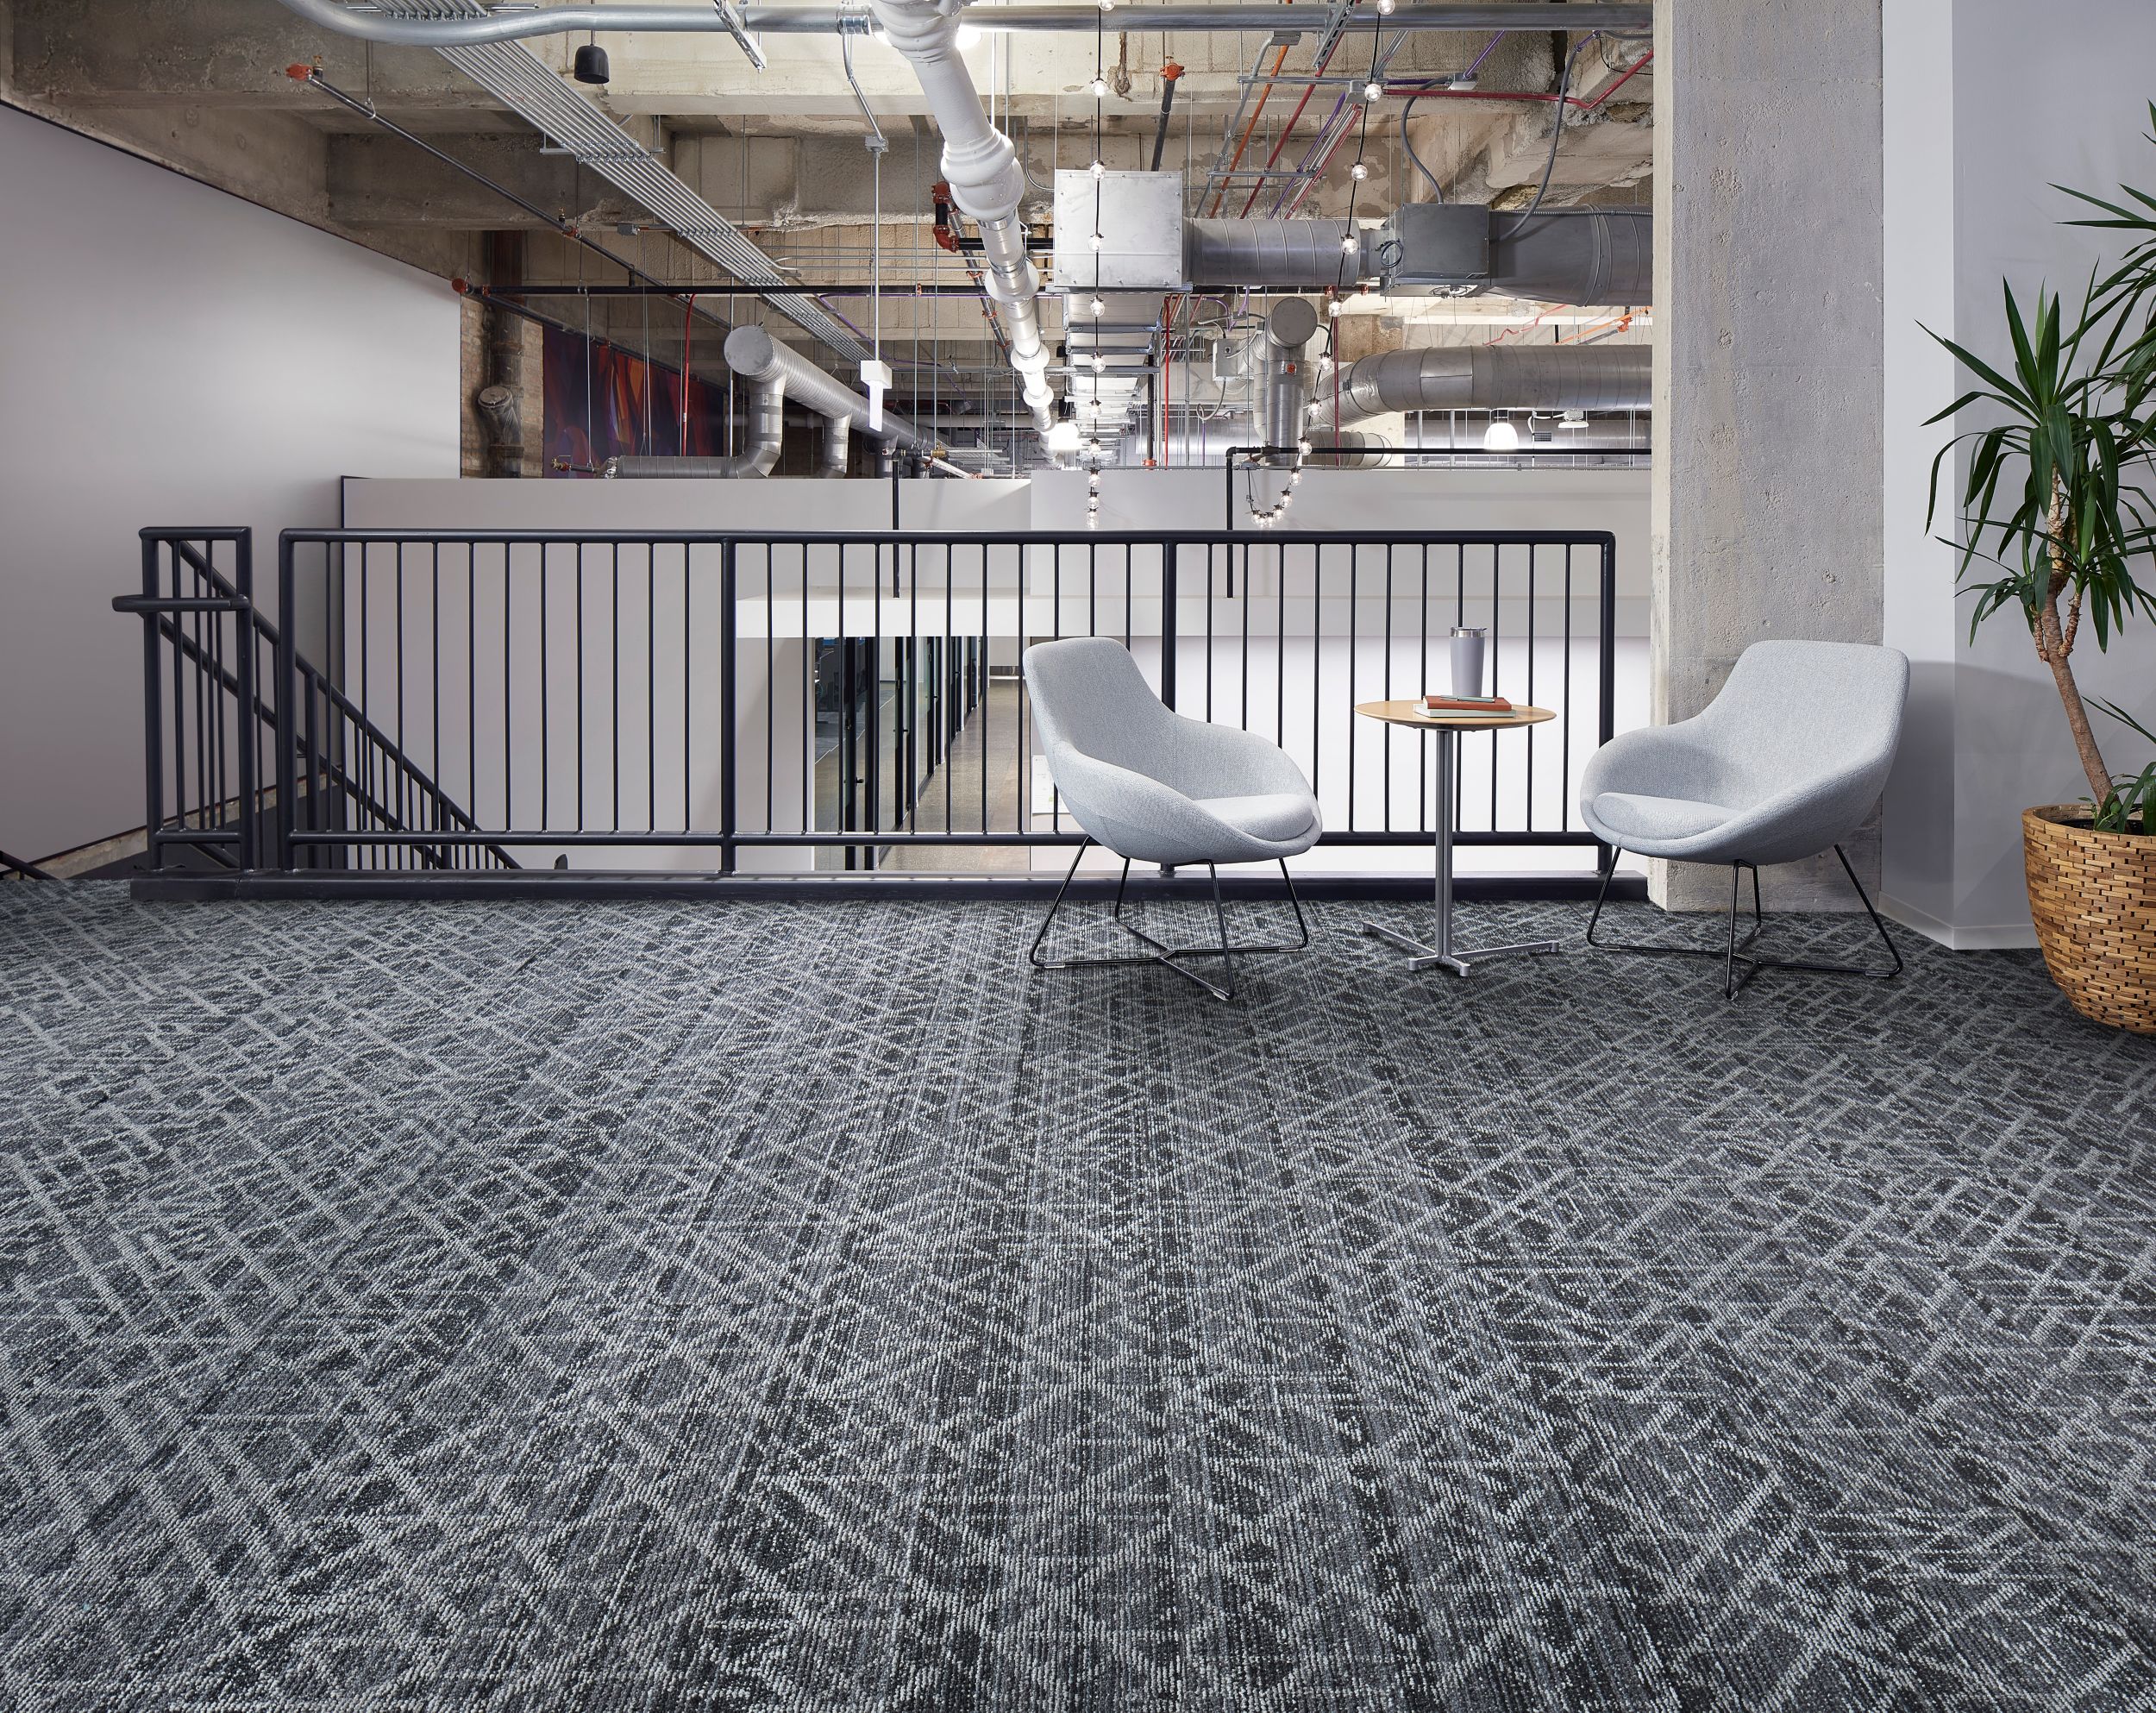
x=472 y=25
x=775 y=373
x=1270 y=255
x=1352 y=451
x=765 y=431
x=838 y=441
x=1284 y=376
x=1486 y=378
x=1589 y=256
x=987 y=182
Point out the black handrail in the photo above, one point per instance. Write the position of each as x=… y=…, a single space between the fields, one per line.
x=863 y=823
x=29 y=871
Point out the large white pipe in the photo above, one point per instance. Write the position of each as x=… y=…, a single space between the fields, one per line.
x=987 y=181
x=504 y=24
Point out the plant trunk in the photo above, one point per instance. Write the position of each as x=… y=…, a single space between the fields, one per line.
x=2062 y=672
x=2054 y=644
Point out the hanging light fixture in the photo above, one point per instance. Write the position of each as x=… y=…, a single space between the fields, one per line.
x=1500 y=435
x=591 y=65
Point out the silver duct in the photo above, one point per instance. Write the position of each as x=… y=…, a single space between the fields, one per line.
x=483 y=25
x=988 y=181
x=1482 y=378
x=1352 y=451
x=1270 y=255
x=1589 y=256
x=1593 y=257
x=766 y=430
x=839 y=440
x=1283 y=382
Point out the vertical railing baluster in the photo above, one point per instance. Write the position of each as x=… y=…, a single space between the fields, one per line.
x=1170 y=621
x=730 y=700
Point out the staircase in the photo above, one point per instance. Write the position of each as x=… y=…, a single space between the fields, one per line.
x=212 y=699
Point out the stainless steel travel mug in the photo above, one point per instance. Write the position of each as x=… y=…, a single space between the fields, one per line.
x=1467 y=659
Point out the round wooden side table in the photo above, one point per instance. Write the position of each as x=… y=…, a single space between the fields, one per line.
x=1447 y=729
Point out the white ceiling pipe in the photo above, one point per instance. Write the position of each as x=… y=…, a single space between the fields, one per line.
x=752 y=353
x=987 y=181
x=375 y=23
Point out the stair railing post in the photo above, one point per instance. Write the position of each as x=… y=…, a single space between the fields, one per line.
x=286 y=726
x=247 y=730
x=152 y=711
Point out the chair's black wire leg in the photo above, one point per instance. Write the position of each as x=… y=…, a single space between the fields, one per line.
x=1729 y=966
x=1602 y=898
x=1121 y=886
x=1302 y=928
x=1033 y=952
x=1221 y=918
x=1893 y=951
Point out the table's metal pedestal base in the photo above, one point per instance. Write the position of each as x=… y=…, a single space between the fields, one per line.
x=1444 y=955
x=1422 y=957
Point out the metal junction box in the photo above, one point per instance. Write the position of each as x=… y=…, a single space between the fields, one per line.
x=1434 y=248
x=1139 y=216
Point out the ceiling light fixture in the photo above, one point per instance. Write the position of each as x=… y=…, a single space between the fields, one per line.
x=1098 y=169
x=968 y=36
x=1095 y=308
x=1358 y=172
x=1099 y=87
x=1500 y=435
x=1372 y=91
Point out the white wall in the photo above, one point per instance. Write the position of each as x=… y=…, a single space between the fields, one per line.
x=1988 y=105
x=170 y=355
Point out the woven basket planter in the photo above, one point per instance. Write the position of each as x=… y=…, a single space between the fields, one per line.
x=2093 y=895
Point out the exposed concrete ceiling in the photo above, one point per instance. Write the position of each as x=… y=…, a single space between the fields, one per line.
x=202 y=85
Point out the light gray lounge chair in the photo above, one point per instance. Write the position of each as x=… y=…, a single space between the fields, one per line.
x=1787 y=762
x=1153 y=786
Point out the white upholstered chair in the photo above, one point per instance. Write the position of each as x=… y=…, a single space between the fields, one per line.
x=1787 y=762
x=1153 y=786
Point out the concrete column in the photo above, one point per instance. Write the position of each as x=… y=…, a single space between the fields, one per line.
x=1767 y=517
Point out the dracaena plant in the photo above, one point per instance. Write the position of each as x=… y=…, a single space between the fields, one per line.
x=2054 y=519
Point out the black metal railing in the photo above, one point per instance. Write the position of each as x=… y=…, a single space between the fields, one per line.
x=15 y=868
x=778 y=702
x=218 y=729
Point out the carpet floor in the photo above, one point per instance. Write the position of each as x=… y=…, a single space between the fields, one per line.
x=806 y=1306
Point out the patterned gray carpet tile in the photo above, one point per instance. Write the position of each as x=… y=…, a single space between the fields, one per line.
x=761 y=1306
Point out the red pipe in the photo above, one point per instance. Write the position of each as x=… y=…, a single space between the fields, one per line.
x=1620 y=81
x=1289 y=131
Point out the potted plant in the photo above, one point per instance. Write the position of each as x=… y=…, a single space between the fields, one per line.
x=2054 y=503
